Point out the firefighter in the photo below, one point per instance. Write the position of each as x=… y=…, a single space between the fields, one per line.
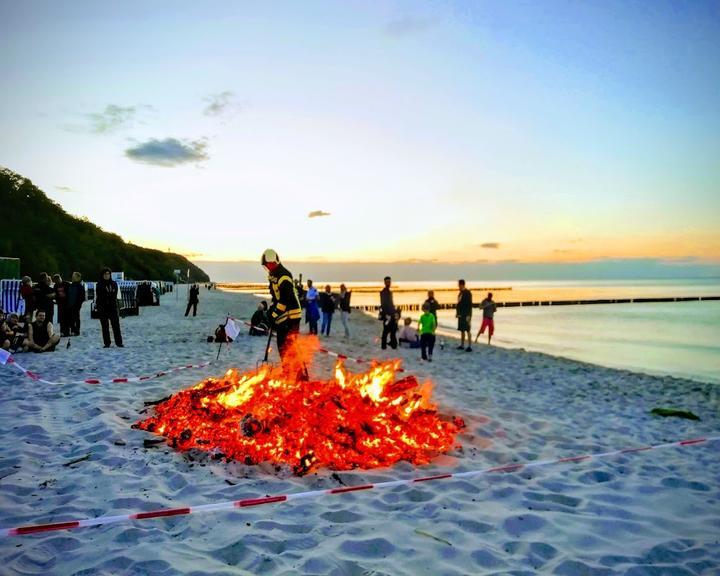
x=285 y=312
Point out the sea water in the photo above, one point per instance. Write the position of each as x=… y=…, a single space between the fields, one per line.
x=669 y=338
x=675 y=338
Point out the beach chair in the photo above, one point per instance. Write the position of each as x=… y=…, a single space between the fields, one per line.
x=10 y=300
x=129 y=303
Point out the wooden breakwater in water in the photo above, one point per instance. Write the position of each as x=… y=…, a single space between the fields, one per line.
x=416 y=307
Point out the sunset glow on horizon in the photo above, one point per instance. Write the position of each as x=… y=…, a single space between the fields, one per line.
x=343 y=132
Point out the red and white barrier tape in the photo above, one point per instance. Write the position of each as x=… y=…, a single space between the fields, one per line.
x=32 y=375
x=248 y=502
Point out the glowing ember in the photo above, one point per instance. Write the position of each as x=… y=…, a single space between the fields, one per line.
x=276 y=414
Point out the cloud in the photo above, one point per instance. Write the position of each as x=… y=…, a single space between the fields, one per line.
x=112 y=118
x=408 y=25
x=168 y=152
x=490 y=245
x=64 y=189
x=221 y=104
x=109 y=120
x=318 y=214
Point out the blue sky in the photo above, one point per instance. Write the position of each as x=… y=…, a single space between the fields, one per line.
x=552 y=131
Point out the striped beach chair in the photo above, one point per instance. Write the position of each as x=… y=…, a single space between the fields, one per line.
x=10 y=297
x=129 y=304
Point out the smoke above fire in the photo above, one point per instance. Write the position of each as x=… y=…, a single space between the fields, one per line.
x=281 y=415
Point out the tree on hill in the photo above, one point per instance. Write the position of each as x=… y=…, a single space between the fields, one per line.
x=48 y=239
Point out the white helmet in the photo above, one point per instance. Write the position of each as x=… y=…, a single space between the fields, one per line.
x=270 y=256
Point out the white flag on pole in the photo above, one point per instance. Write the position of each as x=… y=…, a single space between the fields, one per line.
x=231 y=329
x=4 y=356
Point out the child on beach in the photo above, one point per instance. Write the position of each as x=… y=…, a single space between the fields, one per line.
x=408 y=335
x=427 y=325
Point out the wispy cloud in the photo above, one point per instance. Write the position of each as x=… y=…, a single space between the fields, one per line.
x=318 y=214
x=490 y=245
x=64 y=189
x=168 y=152
x=221 y=104
x=111 y=119
x=408 y=25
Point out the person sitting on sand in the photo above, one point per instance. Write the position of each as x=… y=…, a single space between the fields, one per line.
x=259 y=321
x=5 y=336
x=427 y=325
x=41 y=336
x=488 y=309
x=409 y=335
x=15 y=331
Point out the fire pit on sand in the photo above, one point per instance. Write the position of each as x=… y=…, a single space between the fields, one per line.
x=278 y=414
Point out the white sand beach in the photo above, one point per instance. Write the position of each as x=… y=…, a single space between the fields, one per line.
x=69 y=452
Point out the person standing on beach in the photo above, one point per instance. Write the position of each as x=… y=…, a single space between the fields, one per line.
x=28 y=295
x=344 y=305
x=76 y=297
x=312 y=311
x=387 y=316
x=61 y=288
x=432 y=304
x=106 y=297
x=463 y=312
x=427 y=325
x=285 y=313
x=44 y=297
x=193 y=299
x=327 y=305
x=488 y=309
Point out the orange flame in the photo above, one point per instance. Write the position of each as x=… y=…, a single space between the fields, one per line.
x=277 y=414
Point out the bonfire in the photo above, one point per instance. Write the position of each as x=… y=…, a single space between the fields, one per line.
x=279 y=414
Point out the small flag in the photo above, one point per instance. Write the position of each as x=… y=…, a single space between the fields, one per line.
x=4 y=356
x=231 y=329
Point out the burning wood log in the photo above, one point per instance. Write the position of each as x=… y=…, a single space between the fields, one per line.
x=352 y=420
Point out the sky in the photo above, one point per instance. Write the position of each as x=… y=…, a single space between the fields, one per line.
x=508 y=131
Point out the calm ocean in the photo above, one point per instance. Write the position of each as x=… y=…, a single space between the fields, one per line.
x=677 y=339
